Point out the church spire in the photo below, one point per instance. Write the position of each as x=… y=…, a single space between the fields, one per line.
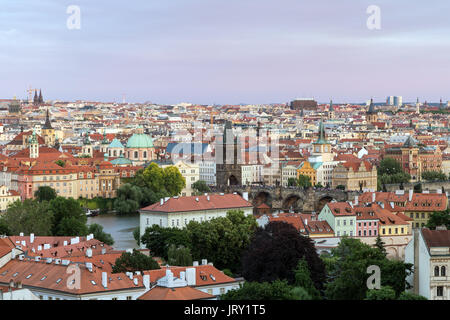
x=41 y=100
x=47 y=124
x=35 y=100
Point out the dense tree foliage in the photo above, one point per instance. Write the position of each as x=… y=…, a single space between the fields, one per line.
x=219 y=240
x=28 y=217
x=303 y=279
x=135 y=261
x=304 y=181
x=410 y=296
x=179 y=256
x=274 y=253
x=391 y=171
x=45 y=193
x=292 y=182
x=384 y=293
x=69 y=218
x=439 y=218
x=434 y=176
x=276 y=290
x=128 y=200
x=200 y=186
x=347 y=267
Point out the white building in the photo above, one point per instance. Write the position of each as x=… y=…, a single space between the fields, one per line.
x=429 y=252
x=207 y=171
x=179 y=211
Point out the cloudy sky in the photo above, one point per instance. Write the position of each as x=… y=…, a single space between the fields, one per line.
x=225 y=51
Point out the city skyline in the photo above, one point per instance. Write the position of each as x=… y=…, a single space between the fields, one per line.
x=225 y=52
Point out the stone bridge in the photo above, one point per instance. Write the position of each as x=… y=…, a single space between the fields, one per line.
x=285 y=199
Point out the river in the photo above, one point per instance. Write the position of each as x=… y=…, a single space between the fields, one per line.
x=120 y=227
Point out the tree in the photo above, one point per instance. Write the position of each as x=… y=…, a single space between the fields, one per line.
x=348 y=273
x=137 y=235
x=319 y=185
x=68 y=217
x=410 y=296
x=292 y=182
x=276 y=290
x=135 y=261
x=28 y=217
x=418 y=188
x=201 y=187
x=158 y=239
x=128 y=199
x=4 y=230
x=389 y=166
x=439 y=218
x=222 y=240
x=304 y=181
x=434 y=176
x=174 y=182
x=380 y=245
x=274 y=253
x=179 y=256
x=45 y=193
x=99 y=234
x=340 y=187
x=384 y=293
x=303 y=279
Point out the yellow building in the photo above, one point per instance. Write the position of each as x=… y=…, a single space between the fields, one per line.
x=307 y=169
x=355 y=176
x=7 y=197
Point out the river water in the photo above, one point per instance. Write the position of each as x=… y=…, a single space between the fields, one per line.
x=120 y=227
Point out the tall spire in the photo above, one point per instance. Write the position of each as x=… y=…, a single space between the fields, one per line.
x=47 y=124
x=331 y=106
x=41 y=100
x=322 y=138
x=371 y=107
x=35 y=100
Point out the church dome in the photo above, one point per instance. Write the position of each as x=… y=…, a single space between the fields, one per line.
x=140 y=140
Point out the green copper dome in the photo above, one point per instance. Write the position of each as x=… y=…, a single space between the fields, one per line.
x=121 y=161
x=140 y=140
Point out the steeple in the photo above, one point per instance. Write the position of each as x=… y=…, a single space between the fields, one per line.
x=41 y=100
x=371 y=108
x=35 y=100
x=322 y=138
x=47 y=124
x=34 y=146
x=441 y=105
x=331 y=106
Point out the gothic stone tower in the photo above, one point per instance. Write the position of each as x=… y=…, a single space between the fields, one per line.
x=228 y=164
x=48 y=132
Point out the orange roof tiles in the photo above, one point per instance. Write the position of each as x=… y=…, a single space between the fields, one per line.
x=183 y=293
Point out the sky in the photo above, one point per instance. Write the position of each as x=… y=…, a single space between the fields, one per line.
x=225 y=51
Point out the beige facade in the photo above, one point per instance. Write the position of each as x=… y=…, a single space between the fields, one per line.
x=190 y=172
x=355 y=176
x=7 y=197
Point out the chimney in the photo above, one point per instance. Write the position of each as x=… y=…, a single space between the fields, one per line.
x=135 y=281
x=245 y=196
x=439 y=191
x=129 y=250
x=46 y=246
x=13 y=254
x=374 y=196
x=204 y=262
x=382 y=205
x=195 y=263
x=103 y=250
x=31 y=237
x=207 y=198
x=146 y=281
x=191 y=276
x=169 y=277
x=65 y=243
x=105 y=279
x=37 y=259
x=89 y=266
x=306 y=222
x=21 y=257
x=411 y=192
x=21 y=234
x=130 y=275
x=161 y=201
x=89 y=253
x=39 y=248
x=356 y=200
x=49 y=260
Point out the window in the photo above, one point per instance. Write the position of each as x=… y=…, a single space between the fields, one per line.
x=440 y=291
x=436 y=271
x=115 y=298
x=443 y=271
x=129 y=297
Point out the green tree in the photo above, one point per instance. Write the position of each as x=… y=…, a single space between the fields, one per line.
x=60 y=163
x=179 y=256
x=137 y=235
x=68 y=217
x=135 y=261
x=439 y=218
x=174 y=182
x=292 y=182
x=303 y=279
x=276 y=290
x=304 y=181
x=200 y=186
x=99 y=234
x=410 y=296
x=45 y=193
x=434 y=176
x=153 y=177
x=340 y=187
x=384 y=293
x=28 y=217
x=389 y=166
x=348 y=274
x=158 y=240
x=222 y=240
x=128 y=199
x=380 y=245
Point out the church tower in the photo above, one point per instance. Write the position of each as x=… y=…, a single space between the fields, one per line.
x=228 y=164
x=417 y=106
x=34 y=146
x=87 y=148
x=331 y=111
x=371 y=115
x=322 y=147
x=48 y=133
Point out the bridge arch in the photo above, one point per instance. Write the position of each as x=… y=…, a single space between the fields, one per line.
x=262 y=197
x=322 y=201
x=293 y=201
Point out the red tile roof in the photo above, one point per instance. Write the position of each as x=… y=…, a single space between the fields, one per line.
x=436 y=238
x=182 y=204
x=183 y=293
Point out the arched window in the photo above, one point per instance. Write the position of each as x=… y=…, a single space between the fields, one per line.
x=136 y=155
x=443 y=271
x=145 y=154
x=436 y=271
x=115 y=153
